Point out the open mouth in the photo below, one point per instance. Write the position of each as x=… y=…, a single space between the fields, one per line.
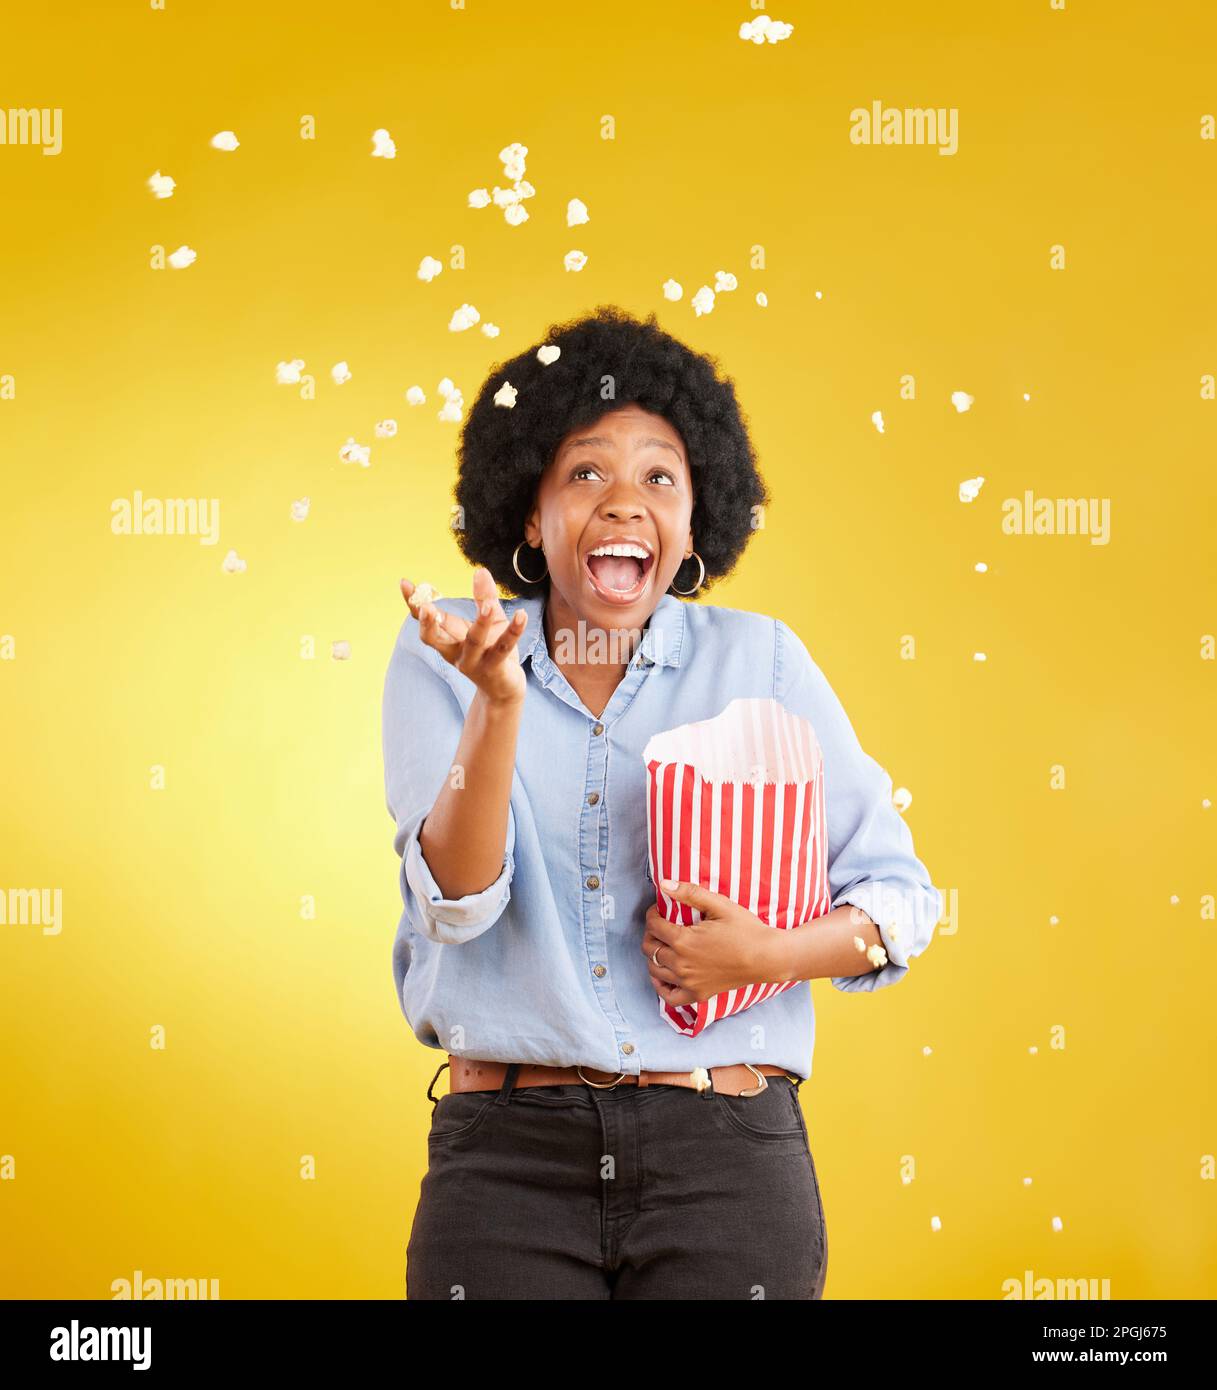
x=619 y=578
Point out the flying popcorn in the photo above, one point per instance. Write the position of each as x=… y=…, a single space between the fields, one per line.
x=980 y=567
x=969 y=489
x=1174 y=900
x=512 y=157
x=701 y=1079
x=1026 y=395
x=386 y=429
x=961 y=401
x=926 y=1051
x=902 y=799
x=506 y=395
x=340 y=372
x=574 y=260
x=225 y=140
x=429 y=268
x=672 y=290
x=232 y=563
x=1057 y=1224
x=356 y=453
x=762 y=299
x=860 y=945
x=505 y=197
x=876 y=955
x=182 y=257
x=515 y=214
x=935 y=1224
x=452 y=408
x=416 y=396
x=1026 y=1182
x=979 y=656
x=491 y=330
x=382 y=145
x=340 y=651
x=1205 y=803
x=479 y=198
x=765 y=30
x=161 y=185
x=576 y=212
x=464 y=317
x=724 y=281
x=288 y=373
x=547 y=353
x=1052 y=921
x=703 y=301
x=446 y=388
x=819 y=294
x=423 y=593
x=876 y=419
x=300 y=509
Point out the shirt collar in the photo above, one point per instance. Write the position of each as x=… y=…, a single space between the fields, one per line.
x=661 y=642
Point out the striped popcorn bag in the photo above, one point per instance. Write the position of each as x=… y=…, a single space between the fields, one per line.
x=736 y=804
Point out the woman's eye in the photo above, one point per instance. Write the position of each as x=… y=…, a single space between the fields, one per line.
x=659 y=473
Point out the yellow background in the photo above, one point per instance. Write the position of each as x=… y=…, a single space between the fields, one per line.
x=181 y=906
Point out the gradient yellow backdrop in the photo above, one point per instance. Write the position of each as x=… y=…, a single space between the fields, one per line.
x=181 y=906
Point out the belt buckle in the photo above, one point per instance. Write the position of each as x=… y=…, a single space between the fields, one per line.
x=760 y=1076
x=600 y=1085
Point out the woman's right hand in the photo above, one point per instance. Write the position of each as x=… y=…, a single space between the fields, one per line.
x=485 y=650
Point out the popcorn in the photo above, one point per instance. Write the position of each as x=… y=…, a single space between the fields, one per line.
x=902 y=799
x=340 y=651
x=979 y=656
x=232 y=563
x=860 y=944
x=423 y=593
x=506 y=395
x=512 y=157
x=300 y=509
x=547 y=353
x=416 y=396
x=1026 y=395
x=701 y=1079
x=980 y=567
x=446 y=388
x=762 y=29
x=505 y=197
x=340 y=372
x=454 y=404
x=464 y=317
x=703 y=301
x=877 y=955
x=382 y=145
x=969 y=489
x=515 y=214
x=819 y=294
x=576 y=212
x=1052 y=921
x=1174 y=900
x=724 y=281
x=926 y=1051
x=182 y=257
x=225 y=140
x=876 y=419
x=524 y=188
x=161 y=185
x=479 y=198
x=1026 y=1182
x=1057 y=1224
x=356 y=453
x=574 y=260
x=429 y=268
x=1205 y=803
x=386 y=429
x=672 y=290
x=1033 y=1050
x=935 y=1224
x=762 y=299
x=288 y=373
x=491 y=330
x=961 y=401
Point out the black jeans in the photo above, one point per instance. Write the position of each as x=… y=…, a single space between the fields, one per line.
x=567 y=1192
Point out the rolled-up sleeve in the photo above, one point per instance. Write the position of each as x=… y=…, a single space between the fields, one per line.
x=871 y=861
x=421 y=723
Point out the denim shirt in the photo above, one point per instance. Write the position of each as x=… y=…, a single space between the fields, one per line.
x=545 y=964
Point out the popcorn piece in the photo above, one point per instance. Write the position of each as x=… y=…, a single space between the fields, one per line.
x=961 y=401
x=506 y=395
x=232 y=563
x=1033 y=1050
x=491 y=330
x=1026 y=396
x=902 y=799
x=701 y=1079
x=724 y=281
x=416 y=396
x=876 y=419
x=161 y=185
x=464 y=317
x=429 y=268
x=935 y=1224
x=576 y=212
x=1174 y=900
x=979 y=656
x=515 y=214
x=1026 y=1182
x=300 y=509
x=980 y=567
x=574 y=260
x=422 y=593
x=505 y=197
x=819 y=294
x=672 y=290
x=547 y=353
x=340 y=372
x=386 y=429
x=860 y=944
x=382 y=145
x=877 y=955
x=969 y=489
x=479 y=198
x=446 y=388
x=454 y=403
x=926 y=1051
x=512 y=157
x=1205 y=803
x=356 y=453
x=1057 y=1224
x=703 y=301
x=762 y=299
x=340 y=651
x=762 y=29
x=225 y=140
x=288 y=373
x=183 y=257
x=1052 y=921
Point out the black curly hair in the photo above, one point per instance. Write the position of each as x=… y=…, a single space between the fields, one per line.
x=503 y=453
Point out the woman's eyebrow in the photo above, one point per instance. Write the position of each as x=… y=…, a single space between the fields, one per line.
x=593 y=439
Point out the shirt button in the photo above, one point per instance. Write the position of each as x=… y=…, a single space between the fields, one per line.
x=593 y=882
x=597 y=728
x=627 y=1048
x=599 y=971
x=591 y=800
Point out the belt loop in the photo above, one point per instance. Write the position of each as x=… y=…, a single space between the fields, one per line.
x=435 y=1099
x=509 y=1081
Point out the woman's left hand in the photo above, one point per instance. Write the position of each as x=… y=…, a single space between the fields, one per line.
x=728 y=949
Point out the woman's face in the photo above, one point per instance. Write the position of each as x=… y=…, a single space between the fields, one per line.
x=624 y=479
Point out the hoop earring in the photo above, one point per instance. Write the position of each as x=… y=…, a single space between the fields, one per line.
x=515 y=566
x=684 y=593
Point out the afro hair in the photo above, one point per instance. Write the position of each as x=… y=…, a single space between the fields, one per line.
x=503 y=452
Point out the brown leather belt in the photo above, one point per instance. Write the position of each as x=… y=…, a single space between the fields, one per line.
x=739 y=1079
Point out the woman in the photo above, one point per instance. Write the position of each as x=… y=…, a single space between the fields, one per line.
x=579 y=1152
